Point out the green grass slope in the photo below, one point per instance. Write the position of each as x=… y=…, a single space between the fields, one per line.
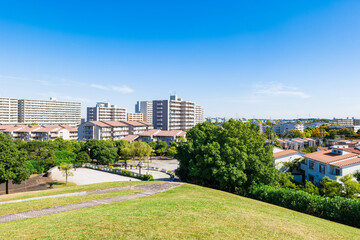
x=185 y=212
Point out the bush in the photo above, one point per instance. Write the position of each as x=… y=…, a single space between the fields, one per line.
x=35 y=167
x=338 y=209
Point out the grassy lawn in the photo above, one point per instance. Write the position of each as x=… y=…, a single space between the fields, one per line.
x=52 y=202
x=186 y=212
x=69 y=189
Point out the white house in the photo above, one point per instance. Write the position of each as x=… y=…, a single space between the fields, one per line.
x=332 y=163
x=285 y=156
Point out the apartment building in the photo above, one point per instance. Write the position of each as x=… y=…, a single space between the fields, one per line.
x=40 y=132
x=50 y=112
x=104 y=111
x=146 y=108
x=161 y=135
x=336 y=162
x=282 y=128
x=8 y=111
x=199 y=114
x=345 y=121
x=135 y=117
x=137 y=127
x=115 y=130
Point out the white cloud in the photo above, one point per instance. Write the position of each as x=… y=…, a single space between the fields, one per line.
x=278 y=89
x=99 y=87
x=122 y=89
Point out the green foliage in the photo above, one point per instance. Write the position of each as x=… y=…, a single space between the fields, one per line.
x=294 y=165
x=285 y=180
x=64 y=156
x=357 y=175
x=330 y=188
x=13 y=165
x=171 y=151
x=310 y=149
x=309 y=187
x=35 y=167
x=232 y=157
x=82 y=157
x=65 y=168
x=346 y=211
x=103 y=151
x=351 y=188
x=294 y=134
x=152 y=145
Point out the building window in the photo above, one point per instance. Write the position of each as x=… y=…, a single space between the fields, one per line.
x=337 y=172
x=311 y=165
x=311 y=178
x=322 y=169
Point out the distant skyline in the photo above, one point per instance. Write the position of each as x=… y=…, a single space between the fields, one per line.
x=251 y=59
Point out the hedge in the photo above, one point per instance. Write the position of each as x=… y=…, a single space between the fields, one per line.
x=338 y=209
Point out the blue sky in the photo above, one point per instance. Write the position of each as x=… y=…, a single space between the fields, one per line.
x=278 y=59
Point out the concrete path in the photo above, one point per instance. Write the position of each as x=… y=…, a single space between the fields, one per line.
x=149 y=189
x=83 y=176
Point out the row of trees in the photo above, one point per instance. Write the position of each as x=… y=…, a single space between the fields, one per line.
x=235 y=157
x=19 y=159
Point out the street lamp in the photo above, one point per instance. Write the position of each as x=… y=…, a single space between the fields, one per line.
x=89 y=155
x=140 y=164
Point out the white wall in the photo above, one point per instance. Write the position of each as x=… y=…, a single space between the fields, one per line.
x=289 y=158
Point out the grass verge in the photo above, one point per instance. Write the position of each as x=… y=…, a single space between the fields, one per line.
x=185 y=212
x=70 y=189
x=52 y=202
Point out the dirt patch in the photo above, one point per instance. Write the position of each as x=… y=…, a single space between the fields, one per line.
x=34 y=183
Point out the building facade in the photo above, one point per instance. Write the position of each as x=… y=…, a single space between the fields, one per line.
x=40 y=132
x=199 y=114
x=49 y=112
x=146 y=108
x=332 y=163
x=135 y=117
x=8 y=111
x=106 y=112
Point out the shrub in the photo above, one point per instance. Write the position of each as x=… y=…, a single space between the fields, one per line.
x=338 y=209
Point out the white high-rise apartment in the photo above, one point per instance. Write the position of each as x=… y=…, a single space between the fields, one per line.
x=175 y=114
x=146 y=108
x=106 y=112
x=8 y=110
x=199 y=114
x=49 y=112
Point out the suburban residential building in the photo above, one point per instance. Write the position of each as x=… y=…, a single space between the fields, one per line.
x=155 y=135
x=346 y=121
x=199 y=114
x=40 y=132
x=115 y=130
x=135 y=117
x=104 y=111
x=281 y=128
x=9 y=111
x=172 y=114
x=282 y=156
x=136 y=127
x=298 y=143
x=333 y=163
x=42 y=112
x=146 y=108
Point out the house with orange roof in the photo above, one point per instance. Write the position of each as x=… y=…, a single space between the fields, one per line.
x=335 y=162
x=285 y=156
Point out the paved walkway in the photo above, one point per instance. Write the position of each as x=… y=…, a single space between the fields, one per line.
x=149 y=189
x=84 y=176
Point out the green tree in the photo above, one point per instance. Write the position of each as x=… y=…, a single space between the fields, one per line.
x=64 y=156
x=161 y=148
x=285 y=180
x=13 y=165
x=309 y=187
x=232 y=157
x=82 y=157
x=171 y=151
x=351 y=188
x=330 y=188
x=103 y=151
x=294 y=134
x=66 y=168
x=357 y=175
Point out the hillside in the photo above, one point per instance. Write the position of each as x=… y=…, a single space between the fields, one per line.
x=187 y=211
